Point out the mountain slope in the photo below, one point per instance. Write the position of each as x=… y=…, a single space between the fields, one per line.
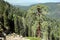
x=54 y=9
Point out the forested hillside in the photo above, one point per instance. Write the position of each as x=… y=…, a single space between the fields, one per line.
x=54 y=9
x=33 y=22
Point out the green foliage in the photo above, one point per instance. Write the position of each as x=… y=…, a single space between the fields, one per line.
x=26 y=22
x=33 y=38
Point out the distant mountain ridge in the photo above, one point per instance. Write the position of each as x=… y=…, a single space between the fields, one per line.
x=54 y=9
x=50 y=4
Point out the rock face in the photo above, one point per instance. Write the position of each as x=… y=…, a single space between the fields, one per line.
x=15 y=37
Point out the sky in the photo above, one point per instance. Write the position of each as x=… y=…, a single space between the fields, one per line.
x=29 y=2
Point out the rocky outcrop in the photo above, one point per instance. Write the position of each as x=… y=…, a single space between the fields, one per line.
x=15 y=37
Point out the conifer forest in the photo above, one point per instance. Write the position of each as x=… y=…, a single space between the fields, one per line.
x=38 y=20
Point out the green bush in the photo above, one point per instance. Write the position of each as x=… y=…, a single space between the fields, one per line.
x=34 y=38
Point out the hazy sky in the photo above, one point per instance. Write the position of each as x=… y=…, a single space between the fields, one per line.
x=29 y=2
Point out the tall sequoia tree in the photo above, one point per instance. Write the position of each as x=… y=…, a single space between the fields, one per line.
x=34 y=18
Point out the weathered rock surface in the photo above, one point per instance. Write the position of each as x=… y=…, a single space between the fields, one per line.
x=15 y=37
